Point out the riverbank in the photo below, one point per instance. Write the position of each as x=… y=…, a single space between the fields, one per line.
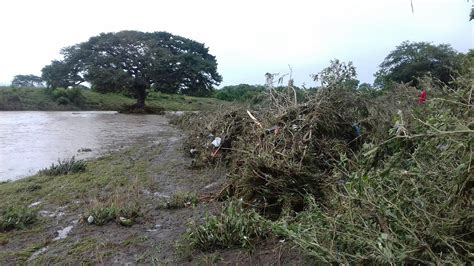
x=29 y=99
x=153 y=192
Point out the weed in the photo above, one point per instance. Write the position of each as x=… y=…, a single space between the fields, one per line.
x=181 y=200
x=234 y=227
x=64 y=167
x=120 y=208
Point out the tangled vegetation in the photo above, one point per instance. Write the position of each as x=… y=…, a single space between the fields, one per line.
x=348 y=177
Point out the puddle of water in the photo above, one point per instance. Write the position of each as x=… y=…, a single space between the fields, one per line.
x=32 y=140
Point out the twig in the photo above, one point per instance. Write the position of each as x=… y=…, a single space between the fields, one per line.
x=254 y=119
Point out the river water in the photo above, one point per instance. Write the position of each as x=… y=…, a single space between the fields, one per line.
x=30 y=141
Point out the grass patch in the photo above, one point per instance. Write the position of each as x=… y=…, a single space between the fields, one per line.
x=64 y=167
x=29 y=99
x=12 y=218
x=122 y=208
x=234 y=227
x=104 y=176
x=181 y=200
x=25 y=254
x=91 y=251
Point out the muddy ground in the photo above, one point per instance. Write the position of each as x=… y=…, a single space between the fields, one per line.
x=150 y=174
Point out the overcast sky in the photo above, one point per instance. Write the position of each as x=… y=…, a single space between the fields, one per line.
x=248 y=37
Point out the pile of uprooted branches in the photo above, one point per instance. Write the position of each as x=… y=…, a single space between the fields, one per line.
x=406 y=198
x=350 y=178
x=279 y=154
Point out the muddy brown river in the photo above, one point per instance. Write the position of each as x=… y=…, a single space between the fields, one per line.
x=30 y=141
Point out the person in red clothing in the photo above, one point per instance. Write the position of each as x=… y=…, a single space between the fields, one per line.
x=422 y=98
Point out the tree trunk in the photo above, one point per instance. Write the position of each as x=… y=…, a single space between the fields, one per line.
x=140 y=93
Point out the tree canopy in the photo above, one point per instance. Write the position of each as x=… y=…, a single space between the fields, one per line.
x=134 y=62
x=338 y=74
x=410 y=61
x=29 y=81
x=241 y=92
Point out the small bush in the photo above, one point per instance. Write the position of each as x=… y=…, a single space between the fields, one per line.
x=16 y=218
x=64 y=167
x=234 y=227
x=181 y=200
x=66 y=96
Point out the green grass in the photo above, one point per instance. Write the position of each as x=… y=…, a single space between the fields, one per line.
x=29 y=99
x=108 y=175
x=16 y=217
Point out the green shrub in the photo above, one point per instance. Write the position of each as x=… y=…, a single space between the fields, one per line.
x=66 y=96
x=64 y=167
x=234 y=227
x=123 y=212
x=16 y=218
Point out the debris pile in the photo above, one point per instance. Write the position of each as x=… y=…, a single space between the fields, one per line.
x=351 y=178
x=279 y=154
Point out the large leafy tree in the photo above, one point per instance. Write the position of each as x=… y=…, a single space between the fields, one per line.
x=136 y=61
x=29 y=81
x=410 y=61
